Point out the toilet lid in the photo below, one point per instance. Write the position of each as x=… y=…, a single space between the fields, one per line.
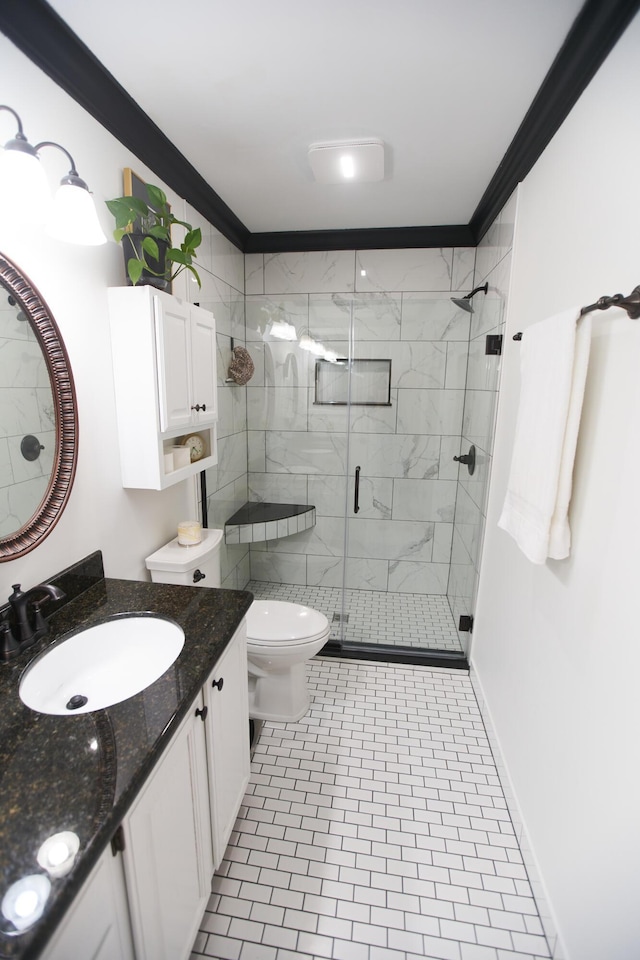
x=272 y=621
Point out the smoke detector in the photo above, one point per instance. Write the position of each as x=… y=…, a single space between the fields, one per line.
x=349 y=161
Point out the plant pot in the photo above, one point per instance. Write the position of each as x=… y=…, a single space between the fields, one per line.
x=133 y=242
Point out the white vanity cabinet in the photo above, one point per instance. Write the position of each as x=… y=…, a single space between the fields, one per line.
x=167 y=857
x=97 y=925
x=226 y=695
x=147 y=903
x=164 y=369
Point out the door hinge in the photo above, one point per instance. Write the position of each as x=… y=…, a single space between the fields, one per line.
x=117 y=841
x=493 y=346
x=465 y=624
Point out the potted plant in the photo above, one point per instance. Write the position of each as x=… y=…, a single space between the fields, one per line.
x=144 y=229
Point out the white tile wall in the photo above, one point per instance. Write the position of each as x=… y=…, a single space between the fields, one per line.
x=414 y=439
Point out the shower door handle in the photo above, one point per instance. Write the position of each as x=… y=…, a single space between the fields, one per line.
x=356 y=496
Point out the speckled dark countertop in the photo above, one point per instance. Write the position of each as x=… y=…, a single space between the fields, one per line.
x=81 y=773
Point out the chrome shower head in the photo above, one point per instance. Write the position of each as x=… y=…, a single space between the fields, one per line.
x=465 y=302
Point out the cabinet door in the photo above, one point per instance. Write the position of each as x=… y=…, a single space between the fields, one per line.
x=167 y=857
x=203 y=355
x=173 y=346
x=97 y=925
x=228 y=739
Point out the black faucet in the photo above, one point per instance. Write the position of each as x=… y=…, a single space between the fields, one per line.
x=20 y=600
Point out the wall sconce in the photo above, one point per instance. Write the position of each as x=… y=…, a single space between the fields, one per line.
x=25 y=196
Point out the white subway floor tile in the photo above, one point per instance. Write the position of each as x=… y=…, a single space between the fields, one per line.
x=374 y=829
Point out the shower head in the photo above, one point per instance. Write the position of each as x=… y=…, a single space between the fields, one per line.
x=465 y=302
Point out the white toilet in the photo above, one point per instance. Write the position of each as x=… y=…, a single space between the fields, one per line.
x=280 y=636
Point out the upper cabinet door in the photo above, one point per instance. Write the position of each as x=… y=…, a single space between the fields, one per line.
x=173 y=342
x=203 y=364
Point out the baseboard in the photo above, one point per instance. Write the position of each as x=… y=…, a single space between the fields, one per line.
x=540 y=895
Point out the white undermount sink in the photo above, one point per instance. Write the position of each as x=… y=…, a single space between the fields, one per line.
x=101 y=665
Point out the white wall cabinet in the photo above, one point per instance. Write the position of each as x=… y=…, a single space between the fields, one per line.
x=175 y=834
x=164 y=368
x=226 y=696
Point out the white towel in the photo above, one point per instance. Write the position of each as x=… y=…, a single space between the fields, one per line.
x=554 y=360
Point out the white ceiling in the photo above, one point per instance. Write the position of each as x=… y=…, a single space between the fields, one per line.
x=243 y=88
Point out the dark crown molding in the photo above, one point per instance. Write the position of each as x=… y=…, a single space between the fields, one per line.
x=37 y=30
x=382 y=238
x=593 y=35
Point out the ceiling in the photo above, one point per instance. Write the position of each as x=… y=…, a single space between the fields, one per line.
x=243 y=88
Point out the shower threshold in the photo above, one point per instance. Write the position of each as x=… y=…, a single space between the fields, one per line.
x=398 y=627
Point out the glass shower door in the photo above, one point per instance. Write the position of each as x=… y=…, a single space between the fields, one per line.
x=404 y=400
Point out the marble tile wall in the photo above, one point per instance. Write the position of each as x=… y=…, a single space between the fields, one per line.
x=300 y=451
x=221 y=270
x=493 y=265
x=26 y=409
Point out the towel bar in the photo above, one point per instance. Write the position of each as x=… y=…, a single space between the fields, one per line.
x=631 y=304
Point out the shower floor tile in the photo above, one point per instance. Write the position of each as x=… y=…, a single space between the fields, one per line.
x=402 y=619
x=374 y=829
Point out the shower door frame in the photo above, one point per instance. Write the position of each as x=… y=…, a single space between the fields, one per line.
x=340 y=646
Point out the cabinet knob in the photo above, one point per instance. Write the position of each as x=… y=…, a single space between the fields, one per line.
x=218 y=683
x=202 y=713
x=200 y=406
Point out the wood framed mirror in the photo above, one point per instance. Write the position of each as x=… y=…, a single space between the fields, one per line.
x=38 y=416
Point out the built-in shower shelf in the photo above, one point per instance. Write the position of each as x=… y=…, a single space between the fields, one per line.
x=256 y=522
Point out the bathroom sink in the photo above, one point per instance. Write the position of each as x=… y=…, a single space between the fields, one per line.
x=101 y=665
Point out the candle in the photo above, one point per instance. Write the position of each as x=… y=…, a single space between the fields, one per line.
x=189 y=533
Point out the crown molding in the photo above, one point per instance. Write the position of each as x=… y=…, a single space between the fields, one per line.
x=384 y=238
x=37 y=30
x=592 y=37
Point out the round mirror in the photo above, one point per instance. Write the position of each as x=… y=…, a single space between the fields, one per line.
x=38 y=418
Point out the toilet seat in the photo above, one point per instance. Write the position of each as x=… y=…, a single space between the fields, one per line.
x=275 y=622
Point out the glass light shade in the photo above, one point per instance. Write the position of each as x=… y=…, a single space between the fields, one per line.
x=25 y=198
x=282 y=330
x=73 y=217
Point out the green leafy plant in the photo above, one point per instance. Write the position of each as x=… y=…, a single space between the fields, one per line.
x=153 y=219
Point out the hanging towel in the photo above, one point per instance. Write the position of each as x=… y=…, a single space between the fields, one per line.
x=554 y=360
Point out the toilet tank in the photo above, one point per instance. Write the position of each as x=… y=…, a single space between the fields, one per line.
x=197 y=565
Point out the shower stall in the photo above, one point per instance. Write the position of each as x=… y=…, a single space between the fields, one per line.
x=356 y=407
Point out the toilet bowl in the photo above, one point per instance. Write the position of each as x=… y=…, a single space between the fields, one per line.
x=281 y=636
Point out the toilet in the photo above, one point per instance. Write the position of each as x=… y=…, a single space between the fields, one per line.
x=281 y=636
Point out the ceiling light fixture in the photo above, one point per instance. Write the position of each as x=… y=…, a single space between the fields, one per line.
x=358 y=161
x=24 y=193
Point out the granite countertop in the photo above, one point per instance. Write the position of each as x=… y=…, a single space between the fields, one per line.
x=81 y=773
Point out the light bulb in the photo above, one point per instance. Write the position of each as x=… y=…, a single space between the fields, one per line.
x=25 y=900
x=73 y=217
x=26 y=903
x=347 y=166
x=25 y=198
x=57 y=853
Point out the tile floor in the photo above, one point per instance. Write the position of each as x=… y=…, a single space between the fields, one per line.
x=409 y=619
x=374 y=829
